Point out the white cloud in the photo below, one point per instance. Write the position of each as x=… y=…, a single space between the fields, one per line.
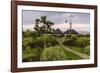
x=77 y=27
x=81 y=28
x=28 y=27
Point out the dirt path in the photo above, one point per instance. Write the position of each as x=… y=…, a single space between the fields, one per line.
x=83 y=56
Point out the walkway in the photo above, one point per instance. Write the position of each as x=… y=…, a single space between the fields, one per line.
x=83 y=56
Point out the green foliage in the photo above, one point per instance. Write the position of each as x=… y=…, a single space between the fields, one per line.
x=34 y=40
x=57 y=53
x=44 y=45
x=26 y=42
x=43 y=25
x=44 y=41
x=27 y=34
x=76 y=41
x=52 y=41
x=83 y=41
x=53 y=53
x=85 y=35
x=37 y=43
x=70 y=40
x=31 y=54
x=72 y=56
x=47 y=54
x=32 y=34
x=87 y=50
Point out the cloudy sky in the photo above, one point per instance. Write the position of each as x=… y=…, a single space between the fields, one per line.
x=81 y=21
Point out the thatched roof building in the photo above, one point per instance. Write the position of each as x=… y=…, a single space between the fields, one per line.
x=57 y=31
x=72 y=31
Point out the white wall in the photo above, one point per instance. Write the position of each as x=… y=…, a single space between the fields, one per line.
x=5 y=42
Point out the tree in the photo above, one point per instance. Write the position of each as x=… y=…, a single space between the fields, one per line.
x=43 y=25
x=36 y=25
x=70 y=22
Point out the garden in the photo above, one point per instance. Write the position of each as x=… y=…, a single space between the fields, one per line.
x=44 y=44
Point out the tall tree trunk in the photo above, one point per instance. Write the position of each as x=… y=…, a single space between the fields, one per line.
x=70 y=27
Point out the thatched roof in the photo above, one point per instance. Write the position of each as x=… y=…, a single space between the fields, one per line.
x=57 y=31
x=71 y=31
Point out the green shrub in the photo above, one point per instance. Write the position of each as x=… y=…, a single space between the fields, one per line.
x=26 y=42
x=37 y=43
x=82 y=42
x=32 y=34
x=44 y=41
x=76 y=41
x=31 y=54
x=70 y=40
x=52 y=41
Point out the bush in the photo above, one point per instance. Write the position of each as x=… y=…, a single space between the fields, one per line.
x=32 y=34
x=82 y=42
x=44 y=41
x=31 y=54
x=53 y=53
x=76 y=41
x=37 y=43
x=26 y=42
x=70 y=40
x=52 y=41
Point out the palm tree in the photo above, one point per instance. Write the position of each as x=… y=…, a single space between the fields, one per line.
x=70 y=22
